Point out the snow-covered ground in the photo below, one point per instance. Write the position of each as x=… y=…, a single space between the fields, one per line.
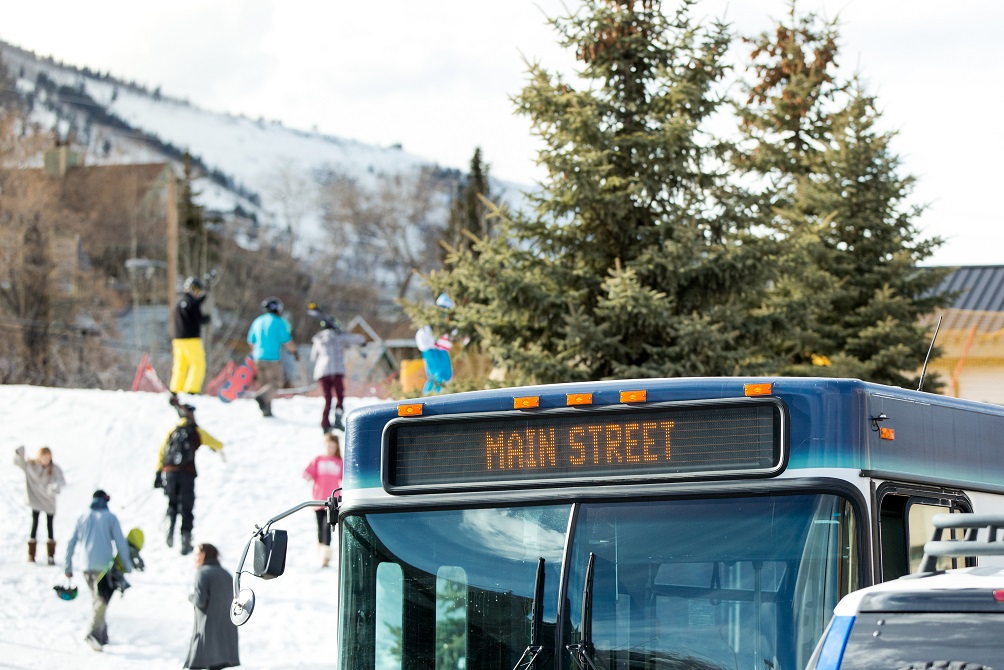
x=110 y=440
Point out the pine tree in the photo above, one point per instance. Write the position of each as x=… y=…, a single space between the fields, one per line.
x=193 y=243
x=469 y=210
x=629 y=264
x=853 y=291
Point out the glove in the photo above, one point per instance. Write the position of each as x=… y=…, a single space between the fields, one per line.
x=158 y=480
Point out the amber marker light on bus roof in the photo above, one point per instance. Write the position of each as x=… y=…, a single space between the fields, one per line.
x=579 y=399
x=758 y=389
x=410 y=410
x=887 y=433
x=633 y=396
x=526 y=402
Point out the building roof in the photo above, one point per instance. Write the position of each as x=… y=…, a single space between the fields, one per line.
x=973 y=325
x=979 y=287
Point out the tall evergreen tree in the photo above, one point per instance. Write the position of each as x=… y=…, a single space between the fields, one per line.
x=469 y=210
x=629 y=264
x=853 y=291
x=193 y=242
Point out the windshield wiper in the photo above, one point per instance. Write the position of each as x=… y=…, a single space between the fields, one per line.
x=529 y=658
x=582 y=651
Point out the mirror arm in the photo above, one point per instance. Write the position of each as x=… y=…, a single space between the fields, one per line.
x=259 y=531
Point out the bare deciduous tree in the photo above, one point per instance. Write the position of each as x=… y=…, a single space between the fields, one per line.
x=393 y=228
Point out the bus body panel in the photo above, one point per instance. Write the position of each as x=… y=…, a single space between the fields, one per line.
x=868 y=464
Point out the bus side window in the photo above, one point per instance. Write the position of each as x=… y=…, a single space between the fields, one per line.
x=892 y=530
x=919 y=515
x=905 y=525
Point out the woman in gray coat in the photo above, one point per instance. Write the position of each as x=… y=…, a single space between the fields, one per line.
x=43 y=479
x=214 y=638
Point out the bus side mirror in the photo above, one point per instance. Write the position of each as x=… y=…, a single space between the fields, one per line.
x=269 y=559
x=270 y=554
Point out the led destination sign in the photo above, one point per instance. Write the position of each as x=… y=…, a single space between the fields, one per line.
x=504 y=449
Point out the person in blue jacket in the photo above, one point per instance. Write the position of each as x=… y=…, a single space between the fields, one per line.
x=268 y=334
x=99 y=535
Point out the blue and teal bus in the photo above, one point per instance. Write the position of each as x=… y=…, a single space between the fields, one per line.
x=647 y=524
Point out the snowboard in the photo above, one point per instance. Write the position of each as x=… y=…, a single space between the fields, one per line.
x=238 y=381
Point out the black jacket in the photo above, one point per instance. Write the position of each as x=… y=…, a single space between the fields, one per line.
x=188 y=317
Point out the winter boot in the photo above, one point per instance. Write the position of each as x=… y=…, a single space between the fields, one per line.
x=32 y=543
x=170 y=534
x=338 y=419
x=50 y=550
x=186 y=543
x=325 y=552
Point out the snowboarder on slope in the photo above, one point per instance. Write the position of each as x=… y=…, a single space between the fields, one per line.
x=327 y=354
x=176 y=472
x=99 y=535
x=189 y=369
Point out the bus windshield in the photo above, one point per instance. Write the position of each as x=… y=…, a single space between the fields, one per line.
x=739 y=582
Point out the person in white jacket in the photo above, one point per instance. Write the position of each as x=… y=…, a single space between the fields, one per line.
x=43 y=480
x=327 y=355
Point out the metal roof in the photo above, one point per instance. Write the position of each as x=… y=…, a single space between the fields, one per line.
x=979 y=287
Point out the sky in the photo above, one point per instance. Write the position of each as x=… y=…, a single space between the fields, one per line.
x=110 y=440
x=436 y=76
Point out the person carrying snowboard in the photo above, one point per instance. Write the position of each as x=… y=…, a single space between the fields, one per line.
x=327 y=355
x=176 y=472
x=100 y=536
x=268 y=334
x=43 y=480
x=189 y=369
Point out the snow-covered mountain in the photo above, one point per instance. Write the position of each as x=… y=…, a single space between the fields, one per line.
x=259 y=166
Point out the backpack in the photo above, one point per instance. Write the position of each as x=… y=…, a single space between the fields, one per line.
x=181 y=446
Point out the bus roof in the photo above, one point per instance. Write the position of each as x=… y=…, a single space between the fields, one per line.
x=833 y=423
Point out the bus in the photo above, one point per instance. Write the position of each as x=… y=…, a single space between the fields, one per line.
x=650 y=524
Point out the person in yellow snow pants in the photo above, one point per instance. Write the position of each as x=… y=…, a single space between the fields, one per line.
x=189 y=370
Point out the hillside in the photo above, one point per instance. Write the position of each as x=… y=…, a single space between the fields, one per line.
x=109 y=440
x=257 y=165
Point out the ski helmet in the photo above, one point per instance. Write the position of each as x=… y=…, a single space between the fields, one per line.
x=272 y=305
x=444 y=301
x=193 y=284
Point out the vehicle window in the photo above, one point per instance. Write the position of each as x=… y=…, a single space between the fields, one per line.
x=451 y=618
x=919 y=517
x=905 y=526
x=448 y=588
x=906 y=640
x=733 y=583
x=389 y=615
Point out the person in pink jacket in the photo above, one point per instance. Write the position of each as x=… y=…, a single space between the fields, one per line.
x=325 y=471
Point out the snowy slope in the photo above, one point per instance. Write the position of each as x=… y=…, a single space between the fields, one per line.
x=281 y=165
x=109 y=440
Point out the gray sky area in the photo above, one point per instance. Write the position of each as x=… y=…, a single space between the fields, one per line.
x=436 y=76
